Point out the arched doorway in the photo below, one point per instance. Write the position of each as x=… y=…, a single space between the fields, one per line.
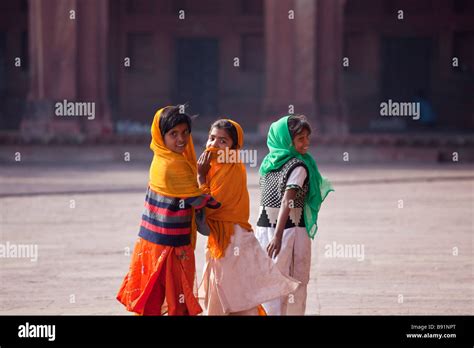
x=402 y=50
x=190 y=59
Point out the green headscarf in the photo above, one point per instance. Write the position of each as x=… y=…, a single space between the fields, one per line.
x=281 y=151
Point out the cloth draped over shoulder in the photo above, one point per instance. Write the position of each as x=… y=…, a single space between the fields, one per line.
x=281 y=149
x=226 y=181
x=173 y=174
x=160 y=274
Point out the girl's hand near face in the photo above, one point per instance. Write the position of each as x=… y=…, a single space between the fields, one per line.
x=203 y=166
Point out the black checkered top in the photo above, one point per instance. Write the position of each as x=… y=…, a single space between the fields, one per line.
x=273 y=187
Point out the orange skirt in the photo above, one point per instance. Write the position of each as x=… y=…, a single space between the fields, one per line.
x=160 y=280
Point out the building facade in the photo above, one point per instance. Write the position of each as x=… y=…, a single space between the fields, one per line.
x=254 y=60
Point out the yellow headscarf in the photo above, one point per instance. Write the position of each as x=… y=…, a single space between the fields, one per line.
x=173 y=174
x=227 y=183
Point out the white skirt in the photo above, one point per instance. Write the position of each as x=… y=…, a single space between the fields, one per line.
x=294 y=260
x=243 y=279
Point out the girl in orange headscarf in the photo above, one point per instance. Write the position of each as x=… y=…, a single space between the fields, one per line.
x=162 y=270
x=238 y=275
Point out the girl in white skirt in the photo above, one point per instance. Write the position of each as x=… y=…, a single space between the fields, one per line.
x=238 y=276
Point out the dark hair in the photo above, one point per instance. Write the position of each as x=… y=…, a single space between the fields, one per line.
x=171 y=117
x=229 y=128
x=298 y=123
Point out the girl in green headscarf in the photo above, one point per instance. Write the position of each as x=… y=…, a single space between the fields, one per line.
x=292 y=190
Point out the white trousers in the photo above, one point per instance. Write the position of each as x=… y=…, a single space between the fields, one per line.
x=294 y=260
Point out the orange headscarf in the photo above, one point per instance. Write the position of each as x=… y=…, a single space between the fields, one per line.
x=173 y=174
x=227 y=183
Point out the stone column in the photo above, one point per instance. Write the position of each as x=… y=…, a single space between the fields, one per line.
x=304 y=62
x=289 y=59
x=68 y=55
x=330 y=36
x=92 y=65
x=52 y=56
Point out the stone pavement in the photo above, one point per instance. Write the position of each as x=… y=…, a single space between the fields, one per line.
x=393 y=239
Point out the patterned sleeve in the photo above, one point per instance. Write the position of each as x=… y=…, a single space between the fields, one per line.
x=296 y=178
x=202 y=201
